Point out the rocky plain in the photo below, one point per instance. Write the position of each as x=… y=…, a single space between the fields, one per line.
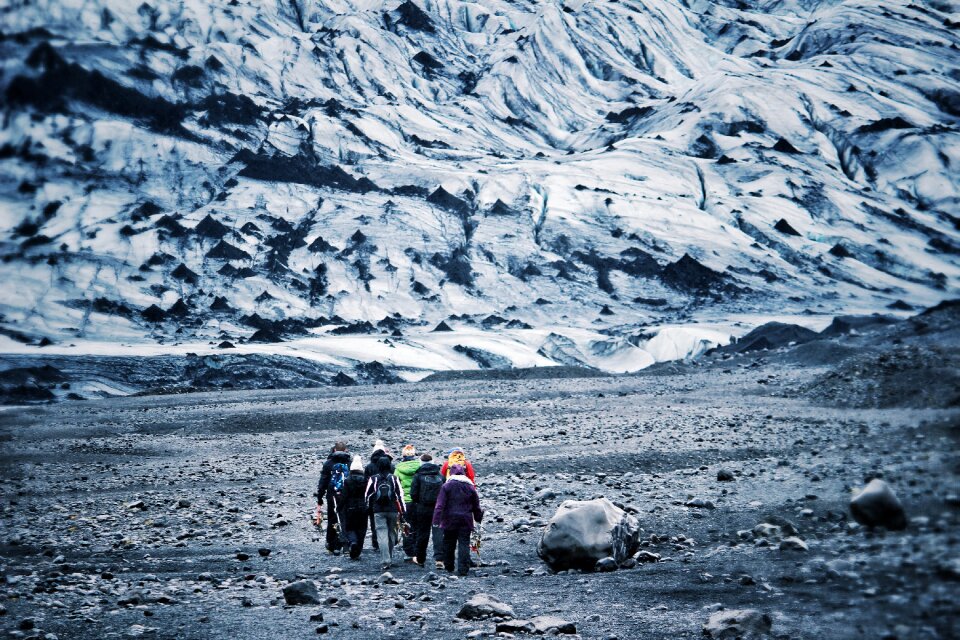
x=185 y=516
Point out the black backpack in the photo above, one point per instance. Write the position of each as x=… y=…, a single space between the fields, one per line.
x=430 y=485
x=384 y=495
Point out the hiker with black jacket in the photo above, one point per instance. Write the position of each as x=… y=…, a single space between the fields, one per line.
x=379 y=451
x=334 y=472
x=424 y=490
x=353 y=509
x=458 y=505
x=385 y=498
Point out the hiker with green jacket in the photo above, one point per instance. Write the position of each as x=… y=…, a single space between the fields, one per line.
x=405 y=469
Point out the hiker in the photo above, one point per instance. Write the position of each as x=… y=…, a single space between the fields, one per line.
x=334 y=472
x=458 y=505
x=424 y=490
x=457 y=456
x=406 y=468
x=353 y=509
x=379 y=451
x=385 y=499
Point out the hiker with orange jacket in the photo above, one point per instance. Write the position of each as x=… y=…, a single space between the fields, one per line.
x=457 y=456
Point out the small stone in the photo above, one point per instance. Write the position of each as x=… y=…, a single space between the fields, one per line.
x=700 y=503
x=876 y=505
x=793 y=544
x=483 y=605
x=738 y=623
x=550 y=625
x=648 y=556
x=606 y=564
x=317 y=617
x=301 y=592
x=263 y=551
x=183 y=503
x=26 y=624
x=242 y=557
x=725 y=475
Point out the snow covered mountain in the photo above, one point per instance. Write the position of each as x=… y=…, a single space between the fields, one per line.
x=605 y=183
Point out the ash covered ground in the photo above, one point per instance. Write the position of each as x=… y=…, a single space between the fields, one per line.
x=184 y=516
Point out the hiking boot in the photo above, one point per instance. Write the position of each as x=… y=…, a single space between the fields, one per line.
x=439 y=564
x=385 y=566
x=416 y=562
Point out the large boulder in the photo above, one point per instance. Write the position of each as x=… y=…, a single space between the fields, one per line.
x=581 y=533
x=301 y=592
x=738 y=623
x=876 y=505
x=483 y=605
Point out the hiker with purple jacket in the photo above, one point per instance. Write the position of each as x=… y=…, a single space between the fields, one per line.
x=458 y=505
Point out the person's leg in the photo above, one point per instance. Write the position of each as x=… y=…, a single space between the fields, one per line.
x=356 y=524
x=391 y=532
x=463 y=551
x=410 y=539
x=383 y=533
x=333 y=539
x=373 y=533
x=422 y=525
x=449 y=546
x=361 y=517
x=437 y=534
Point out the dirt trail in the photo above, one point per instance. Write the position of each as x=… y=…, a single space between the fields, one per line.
x=221 y=475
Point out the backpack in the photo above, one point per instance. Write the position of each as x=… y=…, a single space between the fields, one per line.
x=430 y=485
x=384 y=495
x=337 y=476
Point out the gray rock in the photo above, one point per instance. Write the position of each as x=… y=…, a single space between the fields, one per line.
x=483 y=605
x=515 y=626
x=876 y=505
x=581 y=533
x=767 y=530
x=301 y=592
x=793 y=544
x=700 y=503
x=648 y=556
x=606 y=564
x=551 y=625
x=725 y=475
x=738 y=623
x=540 y=625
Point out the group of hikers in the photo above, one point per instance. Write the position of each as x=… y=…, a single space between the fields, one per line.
x=415 y=496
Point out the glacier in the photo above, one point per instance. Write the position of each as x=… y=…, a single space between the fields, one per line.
x=604 y=184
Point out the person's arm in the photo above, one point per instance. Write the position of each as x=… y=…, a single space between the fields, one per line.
x=470 y=474
x=441 y=505
x=415 y=488
x=443 y=469
x=369 y=492
x=401 y=505
x=324 y=482
x=477 y=511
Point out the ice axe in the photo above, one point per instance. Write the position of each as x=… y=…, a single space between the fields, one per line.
x=476 y=539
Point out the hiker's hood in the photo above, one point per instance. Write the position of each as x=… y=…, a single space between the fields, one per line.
x=427 y=468
x=408 y=468
x=340 y=456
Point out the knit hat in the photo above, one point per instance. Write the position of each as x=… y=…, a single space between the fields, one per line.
x=379 y=446
x=458 y=470
x=409 y=451
x=356 y=464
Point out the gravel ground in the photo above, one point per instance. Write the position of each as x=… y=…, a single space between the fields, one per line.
x=145 y=515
